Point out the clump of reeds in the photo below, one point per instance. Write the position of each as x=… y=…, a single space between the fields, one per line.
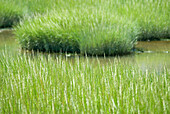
x=76 y=31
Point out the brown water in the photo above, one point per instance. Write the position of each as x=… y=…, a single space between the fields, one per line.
x=156 y=53
x=7 y=41
x=154 y=46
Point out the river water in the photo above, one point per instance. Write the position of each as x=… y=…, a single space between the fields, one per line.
x=155 y=54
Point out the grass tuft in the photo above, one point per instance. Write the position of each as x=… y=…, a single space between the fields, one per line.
x=10 y=14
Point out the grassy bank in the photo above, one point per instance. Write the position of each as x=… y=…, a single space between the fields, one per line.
x=39 y=84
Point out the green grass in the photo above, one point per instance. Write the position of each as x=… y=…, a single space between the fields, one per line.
x=94 y=27
x=47 y=84
x=10 y=14
x=12 y=11
x=75 y=31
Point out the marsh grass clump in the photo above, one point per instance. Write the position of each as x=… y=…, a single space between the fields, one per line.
x=42 y=84
x=153 y=27
x=10 y=14
x=152 y=19
x=48 y=34
x=77 y=31
x=12 y=11
x=108 y=39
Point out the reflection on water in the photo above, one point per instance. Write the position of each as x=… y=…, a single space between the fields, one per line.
x=150 y=61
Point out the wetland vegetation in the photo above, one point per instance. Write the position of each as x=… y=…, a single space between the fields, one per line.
x=36 y=82
x=48 y=85
x=52 y=83
x=94 y=27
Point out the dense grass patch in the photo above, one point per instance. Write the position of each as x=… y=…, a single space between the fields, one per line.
x=12 y=11
x=95 y=27
x=76 y=31
x=42 y=84
x=10 y=14
x=151 y=18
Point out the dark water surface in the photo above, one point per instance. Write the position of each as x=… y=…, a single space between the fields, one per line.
x=156 y=53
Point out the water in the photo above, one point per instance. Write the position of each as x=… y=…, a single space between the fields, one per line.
x=7 y=41
x=156 y=54
x=154 y=46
